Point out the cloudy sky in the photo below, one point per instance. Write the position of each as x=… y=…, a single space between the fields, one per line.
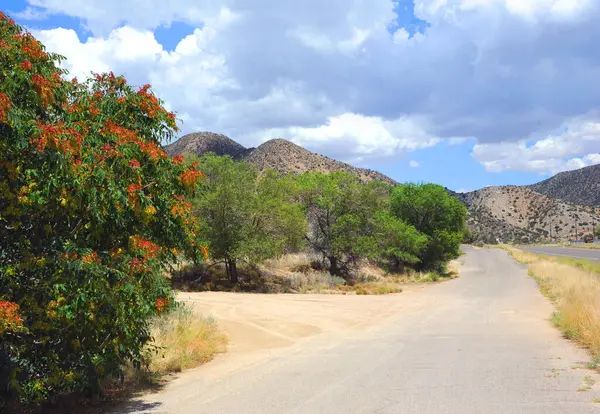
x=465 y=93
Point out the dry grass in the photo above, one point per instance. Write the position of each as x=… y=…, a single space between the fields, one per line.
x=576 y=293
x=185 y=340
x=303 y=273
x=297 y=272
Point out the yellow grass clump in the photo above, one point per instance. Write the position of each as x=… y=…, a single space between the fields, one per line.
x=185 y=340
x=575 y=292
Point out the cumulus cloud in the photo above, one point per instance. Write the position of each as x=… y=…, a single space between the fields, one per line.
x=344 y=79
x=574 y=147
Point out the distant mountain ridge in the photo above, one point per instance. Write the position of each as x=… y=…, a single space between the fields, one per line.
x=517 y=214
x=580 y=186
x=562 y=207
x=277 y=154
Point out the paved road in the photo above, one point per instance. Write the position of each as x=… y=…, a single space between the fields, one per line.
x=590 y=254
x=479 y=344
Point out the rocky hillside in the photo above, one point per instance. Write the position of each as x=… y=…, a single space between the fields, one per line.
x=203 y=142
x=277 y=154
x=287 y=157
x=521 y=215
x=578 y=187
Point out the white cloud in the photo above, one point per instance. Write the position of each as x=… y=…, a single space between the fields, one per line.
x=414 y=164
x=575 y=147
x=502 y=72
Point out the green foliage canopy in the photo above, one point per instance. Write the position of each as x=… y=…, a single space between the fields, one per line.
x=435 y=213
x=246 y=215
x=91 y=211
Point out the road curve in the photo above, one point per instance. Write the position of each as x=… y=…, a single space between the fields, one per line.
x=590 y=254
x=479 y=344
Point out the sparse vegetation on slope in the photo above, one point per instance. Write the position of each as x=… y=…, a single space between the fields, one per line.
x=513 y=214
x=575 y=291
x=277 y=154
x=580 y=186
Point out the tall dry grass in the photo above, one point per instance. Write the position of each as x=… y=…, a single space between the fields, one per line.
x=576 y=294
x=185 y=340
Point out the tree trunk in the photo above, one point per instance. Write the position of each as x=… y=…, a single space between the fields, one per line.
x=333 y=266
x=232 y=272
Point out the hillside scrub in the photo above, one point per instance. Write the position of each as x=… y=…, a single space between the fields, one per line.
x=91 y=212
x=576 y=294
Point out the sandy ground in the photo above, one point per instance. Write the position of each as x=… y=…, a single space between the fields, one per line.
x=260 y=326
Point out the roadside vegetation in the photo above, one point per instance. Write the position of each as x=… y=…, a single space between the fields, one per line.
x=98 y=223
x=574 y=288
x=329 y=229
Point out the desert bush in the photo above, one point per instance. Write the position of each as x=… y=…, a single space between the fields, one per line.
x=91 y=211
x=183 y=340
x=314 y=281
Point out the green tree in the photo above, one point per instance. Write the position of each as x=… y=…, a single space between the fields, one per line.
x=91 y=212
x=341 y=213
x=435 y=213
x=245 y=215
x=597 y=231
x=394 y=242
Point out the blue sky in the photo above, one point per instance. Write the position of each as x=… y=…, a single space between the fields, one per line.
x=465 y=94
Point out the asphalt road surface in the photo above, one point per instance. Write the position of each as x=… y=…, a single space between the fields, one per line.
x=590 y=254
x=479 y=344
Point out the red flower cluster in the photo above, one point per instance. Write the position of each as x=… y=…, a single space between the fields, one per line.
x=127 y=136
x=44 y=88
x=189 y=178
x=26 y=65
x=9 y=316
x=152 y=150
x=30 y=46
x=181 y=207
x=178 y=159
x=149 y=249
x=70 y=256
x=134 y=164
x=149 y=103
x=4 y=107
x=138 y=266
x=204 y=252
x=67 y=140
x=91 y=258
x=161 y=304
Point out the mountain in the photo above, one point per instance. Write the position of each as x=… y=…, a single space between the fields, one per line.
x=203 y=142
x=277 y=154
x=578 y=187
x=521 y=215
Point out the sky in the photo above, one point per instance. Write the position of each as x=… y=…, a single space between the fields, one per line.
x=464 y=93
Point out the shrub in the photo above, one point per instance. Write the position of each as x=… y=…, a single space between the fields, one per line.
x=184 y=340
x=91 y=210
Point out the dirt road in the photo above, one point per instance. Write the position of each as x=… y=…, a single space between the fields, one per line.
x=479 y=344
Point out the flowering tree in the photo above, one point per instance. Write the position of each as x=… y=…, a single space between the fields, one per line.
x=91 y=211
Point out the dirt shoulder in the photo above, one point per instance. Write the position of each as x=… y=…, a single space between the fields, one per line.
x=256 y=321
